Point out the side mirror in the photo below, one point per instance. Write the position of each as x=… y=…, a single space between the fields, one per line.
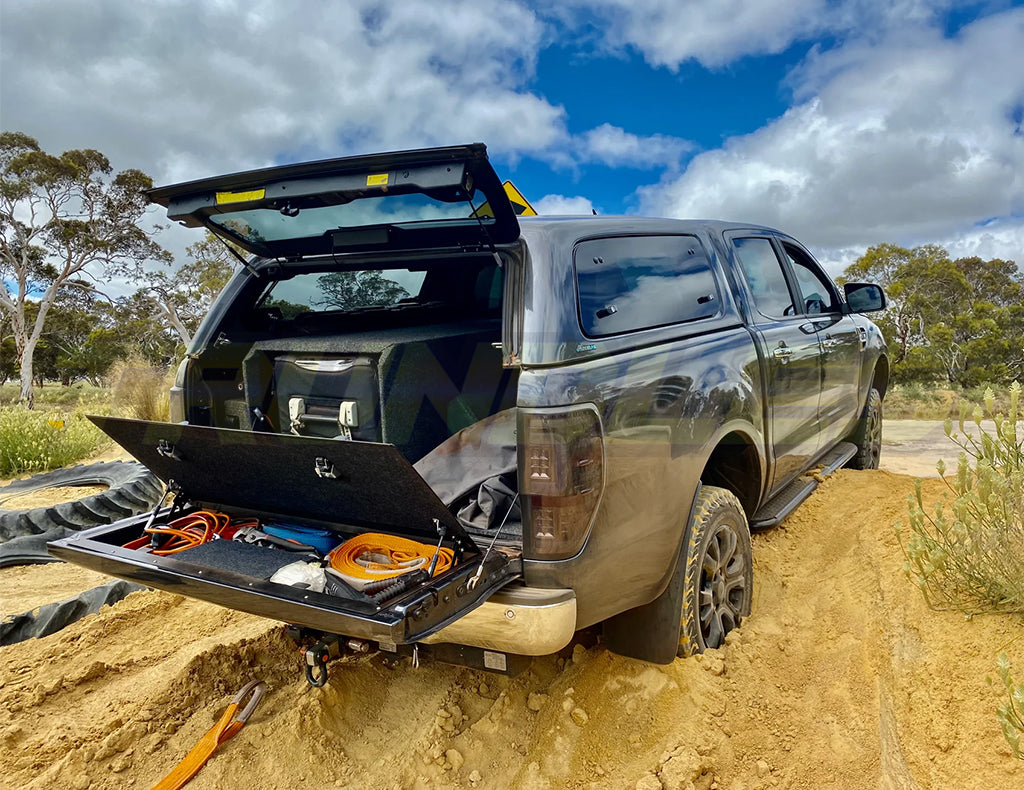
x=864 y=297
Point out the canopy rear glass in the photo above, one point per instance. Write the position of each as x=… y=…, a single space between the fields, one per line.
x=401 y=200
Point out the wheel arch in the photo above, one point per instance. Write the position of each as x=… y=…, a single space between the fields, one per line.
x=880 y=377
x=737 y=464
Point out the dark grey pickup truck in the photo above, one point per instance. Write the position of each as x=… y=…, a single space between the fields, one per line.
x=587 y=414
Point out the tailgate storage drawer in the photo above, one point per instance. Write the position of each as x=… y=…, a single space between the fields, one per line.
x=347 y=487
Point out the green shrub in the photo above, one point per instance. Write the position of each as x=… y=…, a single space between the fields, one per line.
x=57 y=396
x=969 y=555
x=1011 y=713
x=33 y=441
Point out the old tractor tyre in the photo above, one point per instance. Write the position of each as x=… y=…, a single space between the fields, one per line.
x=717 y=571
x=131 y=489
x=868 y=434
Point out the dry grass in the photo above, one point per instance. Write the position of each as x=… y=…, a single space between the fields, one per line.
x=140 y=390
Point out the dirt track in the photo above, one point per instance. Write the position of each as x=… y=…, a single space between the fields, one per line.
x=841 y=678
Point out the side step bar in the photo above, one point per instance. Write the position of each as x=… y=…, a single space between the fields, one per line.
x=789 y=498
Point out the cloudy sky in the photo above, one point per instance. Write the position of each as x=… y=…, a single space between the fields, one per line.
x=844 y=122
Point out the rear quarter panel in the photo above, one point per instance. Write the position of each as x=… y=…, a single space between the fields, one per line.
x=666 y=397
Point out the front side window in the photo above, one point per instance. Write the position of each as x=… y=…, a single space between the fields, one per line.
x=630 y=283
x=765 y=276
x=815 y=291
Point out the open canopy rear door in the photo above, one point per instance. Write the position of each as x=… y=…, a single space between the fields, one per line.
x=403 y=200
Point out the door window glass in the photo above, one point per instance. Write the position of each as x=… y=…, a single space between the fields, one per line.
x=765 y=277
x=815 y=291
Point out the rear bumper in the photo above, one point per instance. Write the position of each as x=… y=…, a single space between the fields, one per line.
x=523 y=620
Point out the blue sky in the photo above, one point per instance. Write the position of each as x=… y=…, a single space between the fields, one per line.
x=844 y=122
x=705 y=106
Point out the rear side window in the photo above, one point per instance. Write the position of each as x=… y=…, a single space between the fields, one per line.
x=640 y=282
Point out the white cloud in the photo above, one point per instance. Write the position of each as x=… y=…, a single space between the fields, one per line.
x=561 y=205
x=914 y=138
x=192 y=88
x=998 y=239
x=670 y=32
x=615 y=147
x=715 y=33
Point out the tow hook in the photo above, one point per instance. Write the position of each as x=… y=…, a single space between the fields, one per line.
x=328 y=648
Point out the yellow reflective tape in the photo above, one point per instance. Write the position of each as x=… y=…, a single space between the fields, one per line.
x=377 y=180
x=240 y=197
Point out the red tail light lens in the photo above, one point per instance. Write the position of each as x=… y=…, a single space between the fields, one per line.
x=561 y=471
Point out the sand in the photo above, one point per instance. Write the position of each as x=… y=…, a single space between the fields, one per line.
x=842 y=677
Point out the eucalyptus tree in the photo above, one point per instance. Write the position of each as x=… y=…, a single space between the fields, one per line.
x=66 y=221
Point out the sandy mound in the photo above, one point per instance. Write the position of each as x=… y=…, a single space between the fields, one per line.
x=842 y=678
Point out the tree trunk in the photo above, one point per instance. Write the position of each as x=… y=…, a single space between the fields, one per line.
x=28 y=395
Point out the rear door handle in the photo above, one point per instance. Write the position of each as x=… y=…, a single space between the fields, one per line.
x=783 y=353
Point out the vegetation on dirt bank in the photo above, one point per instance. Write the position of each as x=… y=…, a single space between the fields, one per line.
x=1011 y=712
x=969 y=556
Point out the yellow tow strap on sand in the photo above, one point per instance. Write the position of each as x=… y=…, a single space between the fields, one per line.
x=370 y=557
x=228 y=725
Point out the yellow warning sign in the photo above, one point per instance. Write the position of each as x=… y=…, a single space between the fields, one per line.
x=520 y=205
x=377 y=180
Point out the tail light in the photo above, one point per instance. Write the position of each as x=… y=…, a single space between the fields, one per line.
x=561 y=472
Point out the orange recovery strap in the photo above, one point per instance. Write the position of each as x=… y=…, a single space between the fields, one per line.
x=228 y=725
x=373 y=556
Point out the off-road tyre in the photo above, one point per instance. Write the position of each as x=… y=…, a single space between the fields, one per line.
x=131 y=489
x=717 y=571
x=868 y=434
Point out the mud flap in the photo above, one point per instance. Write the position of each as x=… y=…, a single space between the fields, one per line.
x=650 y=632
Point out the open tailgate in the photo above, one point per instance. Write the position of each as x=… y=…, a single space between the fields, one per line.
x=349 y=487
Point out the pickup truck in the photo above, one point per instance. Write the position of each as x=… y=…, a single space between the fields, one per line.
x=588 y=413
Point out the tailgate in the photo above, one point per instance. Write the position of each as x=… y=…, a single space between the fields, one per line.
x=347 y=486
x=414 y=615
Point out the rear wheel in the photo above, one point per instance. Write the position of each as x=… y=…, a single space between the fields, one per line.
x=868 y=434
x=717 y=571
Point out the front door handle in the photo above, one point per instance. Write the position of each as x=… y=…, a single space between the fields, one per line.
x=783 y=353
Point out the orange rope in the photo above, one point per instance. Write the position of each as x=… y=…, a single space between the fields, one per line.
x=374 y=556
x=190 y=531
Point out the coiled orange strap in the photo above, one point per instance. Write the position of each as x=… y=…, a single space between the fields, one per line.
x=374 y=556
